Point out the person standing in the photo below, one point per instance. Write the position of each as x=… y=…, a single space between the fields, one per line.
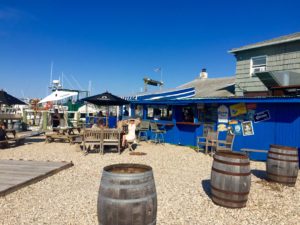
x=55 y=119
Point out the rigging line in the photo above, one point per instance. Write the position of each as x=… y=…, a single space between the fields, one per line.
x=68 y=81
x=77 y=82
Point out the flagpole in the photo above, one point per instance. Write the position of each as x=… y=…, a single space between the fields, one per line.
x=161 y=73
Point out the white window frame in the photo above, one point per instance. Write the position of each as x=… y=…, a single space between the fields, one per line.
x=262 y=65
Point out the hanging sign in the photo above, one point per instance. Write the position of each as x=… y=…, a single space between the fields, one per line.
x=223 y=114
x=247 y=128
x=238 y=109
x=262 y=116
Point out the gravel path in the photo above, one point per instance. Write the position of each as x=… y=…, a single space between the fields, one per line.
x=182 y=183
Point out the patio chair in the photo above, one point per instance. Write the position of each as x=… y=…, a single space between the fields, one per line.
x=207 y=142
x=158 y=133
x=211 y=141
x=226 y=144
x=143 y=130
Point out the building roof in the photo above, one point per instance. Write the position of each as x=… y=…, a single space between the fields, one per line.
x=212 y=87
x=274 y=41
x=224 y=100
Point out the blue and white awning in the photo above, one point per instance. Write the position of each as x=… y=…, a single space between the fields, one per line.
x=164 y=95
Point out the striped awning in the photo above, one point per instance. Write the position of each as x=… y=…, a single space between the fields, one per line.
x=174 y=94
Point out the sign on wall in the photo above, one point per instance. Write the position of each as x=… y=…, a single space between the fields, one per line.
x=261 y=116
x=236 y=129
x=223 y=114
x=222 y=127
x=238 y=109
x=247 y=128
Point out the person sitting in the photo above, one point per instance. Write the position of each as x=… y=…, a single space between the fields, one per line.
x=100 y=114
x=3 y=136
x=132 y=123
x=98 y=125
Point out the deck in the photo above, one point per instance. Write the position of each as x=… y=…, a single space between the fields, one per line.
x=15 y=174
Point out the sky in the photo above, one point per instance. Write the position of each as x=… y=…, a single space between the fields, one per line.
x=115 y=44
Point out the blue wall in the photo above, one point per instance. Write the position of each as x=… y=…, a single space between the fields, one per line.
x=283 y=128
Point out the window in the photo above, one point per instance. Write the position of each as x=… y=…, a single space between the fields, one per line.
x=159 y=112
x=138 y=111
x=188 y=114
x=258 y=64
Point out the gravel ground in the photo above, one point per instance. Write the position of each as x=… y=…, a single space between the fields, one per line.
x=182 y=183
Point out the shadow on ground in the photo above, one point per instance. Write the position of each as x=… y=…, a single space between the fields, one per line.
x=261 y=174
x=34 y=140
x=206 y=187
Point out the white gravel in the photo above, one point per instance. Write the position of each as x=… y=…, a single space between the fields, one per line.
x=182 y=183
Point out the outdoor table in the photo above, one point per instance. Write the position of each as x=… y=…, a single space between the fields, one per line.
x=64 y=133
x=248 y=150
x=67 y=130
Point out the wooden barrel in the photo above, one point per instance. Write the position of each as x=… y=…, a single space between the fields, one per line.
x=282 y=164
x=127 y=195
x=230 y=179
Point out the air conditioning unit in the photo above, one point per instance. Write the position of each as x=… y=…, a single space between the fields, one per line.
x=259 y=69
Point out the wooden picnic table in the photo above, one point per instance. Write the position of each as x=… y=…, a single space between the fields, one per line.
x=68 y=134
x=15 y=140
x=67 y=130
x=71 y=138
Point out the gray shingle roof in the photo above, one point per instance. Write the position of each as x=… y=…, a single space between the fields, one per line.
x=274 y=41
x=212 y=87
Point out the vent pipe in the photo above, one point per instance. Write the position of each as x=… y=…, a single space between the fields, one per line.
x=203 y=74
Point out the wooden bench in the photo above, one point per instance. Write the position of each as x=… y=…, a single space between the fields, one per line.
x=12 y=142
x=91 y=137
x=111 y=137
x=247 y=151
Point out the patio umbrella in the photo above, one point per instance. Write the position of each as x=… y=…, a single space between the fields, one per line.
x=106 y=99
x=7 y=99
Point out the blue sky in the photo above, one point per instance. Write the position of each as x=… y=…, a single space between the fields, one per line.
x=114 y=44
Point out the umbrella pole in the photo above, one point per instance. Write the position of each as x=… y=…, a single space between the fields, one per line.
x=107 y=113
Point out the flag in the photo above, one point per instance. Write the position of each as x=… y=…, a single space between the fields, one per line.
x=157 y=70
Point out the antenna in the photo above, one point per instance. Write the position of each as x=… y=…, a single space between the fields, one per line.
x=62 y=79
x=160 y=70
x=22 y=92
x=51 y=73
x=90 y=87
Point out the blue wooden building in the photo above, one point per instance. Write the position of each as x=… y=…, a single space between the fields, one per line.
x=272 y=120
